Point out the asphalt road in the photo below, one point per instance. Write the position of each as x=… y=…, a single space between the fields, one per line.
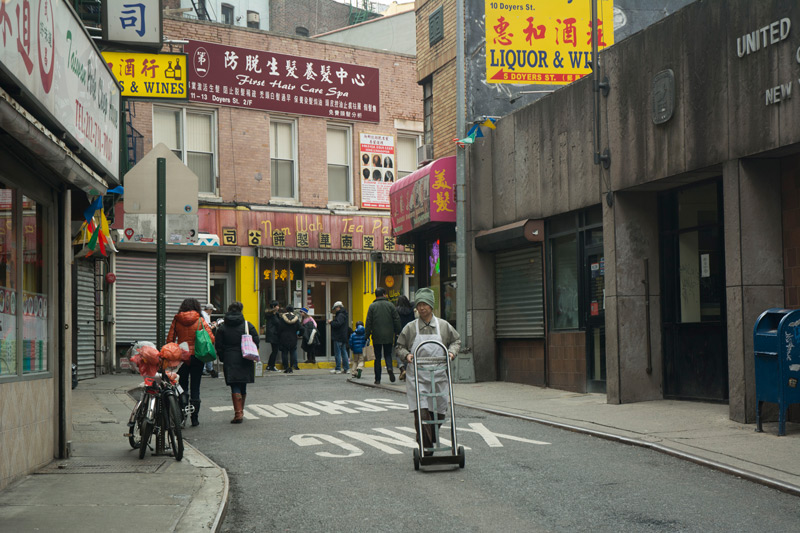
x=317 y=453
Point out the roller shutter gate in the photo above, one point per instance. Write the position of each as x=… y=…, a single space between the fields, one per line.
x=85 y=303
x=519 y=290
x=187 y=277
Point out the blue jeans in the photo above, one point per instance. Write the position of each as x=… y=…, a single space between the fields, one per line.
x=238 y=388
x=285 y=354
x=340 y=353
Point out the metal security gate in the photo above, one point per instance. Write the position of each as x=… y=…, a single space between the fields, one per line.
x=85 y=331
x=519 y=291
x=187 y=277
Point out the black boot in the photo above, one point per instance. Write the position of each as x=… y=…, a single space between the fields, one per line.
x=196 y=412
x=390 y=371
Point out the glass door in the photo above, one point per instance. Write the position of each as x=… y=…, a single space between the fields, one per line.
x=321 y=294
x=594 y=269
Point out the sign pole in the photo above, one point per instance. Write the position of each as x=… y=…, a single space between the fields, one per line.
x=161 y=251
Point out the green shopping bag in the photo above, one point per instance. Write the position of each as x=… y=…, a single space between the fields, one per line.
x=203 y=347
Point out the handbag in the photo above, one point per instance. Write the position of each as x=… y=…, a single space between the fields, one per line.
x=249 y=348
x=203 y=347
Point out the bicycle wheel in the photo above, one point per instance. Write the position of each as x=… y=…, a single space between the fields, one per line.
x=147 y=432
x=135 y=432
x=174 y=424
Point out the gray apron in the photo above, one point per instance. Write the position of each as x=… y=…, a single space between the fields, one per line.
x=440 y=374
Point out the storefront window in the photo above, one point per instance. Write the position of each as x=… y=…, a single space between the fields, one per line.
x=565 y=282
x=288 y=283
x=434 y=267
x=35 y=345
x=8 y=282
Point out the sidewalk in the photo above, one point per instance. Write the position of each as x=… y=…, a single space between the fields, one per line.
x=695 y=431
x=105 y=487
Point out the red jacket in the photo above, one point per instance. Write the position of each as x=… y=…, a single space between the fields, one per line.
x=184 y=327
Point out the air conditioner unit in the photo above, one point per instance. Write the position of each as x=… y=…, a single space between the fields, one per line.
x=424 y=153
x=253 y=18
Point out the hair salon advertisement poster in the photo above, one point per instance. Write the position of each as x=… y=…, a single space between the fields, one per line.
x=377 y=170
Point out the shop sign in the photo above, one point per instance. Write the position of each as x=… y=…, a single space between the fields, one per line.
x=149 y=75
x=133 y=23
x=543 y=42
x=764 y=37
x=427 y=195
x=290 y=230
x=47 y=51
x=377 y=170
x=258 y=79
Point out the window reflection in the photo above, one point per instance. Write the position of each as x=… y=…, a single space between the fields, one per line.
x=8 y=282
x=34 y=292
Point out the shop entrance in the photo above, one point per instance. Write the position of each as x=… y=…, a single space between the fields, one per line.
x=693 y=289
x=322 y=291
x=594 y=275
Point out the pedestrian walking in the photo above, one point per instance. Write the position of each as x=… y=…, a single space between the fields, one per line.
x=288 y=330
x=357 y=342
x=238 y=370
x=426 y=327
x=271 y=333
x=406 y=312
x=184 y=327
x=383 y=323
x=339 y=335
x=310 y=336
x=206 y=312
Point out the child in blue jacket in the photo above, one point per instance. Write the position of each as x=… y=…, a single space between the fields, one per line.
x=357 y=342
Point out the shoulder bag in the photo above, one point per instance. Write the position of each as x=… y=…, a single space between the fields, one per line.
x=249 y=348
x=203 y=347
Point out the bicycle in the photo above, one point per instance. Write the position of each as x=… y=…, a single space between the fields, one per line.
x=158 y=413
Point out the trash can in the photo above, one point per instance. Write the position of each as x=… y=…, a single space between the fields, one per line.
x=776 y=343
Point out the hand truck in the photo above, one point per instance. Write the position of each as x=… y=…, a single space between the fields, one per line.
x=432 y=364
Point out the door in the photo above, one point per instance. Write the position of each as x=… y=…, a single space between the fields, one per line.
x=321 y=294
x=693 y=289
x=85 y=331
x=594 y=274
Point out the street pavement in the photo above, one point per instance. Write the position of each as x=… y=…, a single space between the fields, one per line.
x=104 y=486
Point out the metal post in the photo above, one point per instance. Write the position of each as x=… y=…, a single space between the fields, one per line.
x=161 y=251
x=461 y=216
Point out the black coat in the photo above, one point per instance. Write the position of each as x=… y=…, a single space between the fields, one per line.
x=339 y=326
x=406 y=316
x=272 y=326
x=228 y=342
x=288 y=328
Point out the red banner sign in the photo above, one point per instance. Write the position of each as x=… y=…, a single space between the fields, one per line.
x=257 y=79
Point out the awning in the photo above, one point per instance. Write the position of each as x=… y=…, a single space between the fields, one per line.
x=327 y=254
x=510 y=236
x=424 y=197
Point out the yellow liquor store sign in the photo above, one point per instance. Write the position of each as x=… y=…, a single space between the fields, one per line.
x=149 y=75
x=545 y=42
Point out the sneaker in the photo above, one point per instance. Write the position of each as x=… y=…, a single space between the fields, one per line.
x=336 y=371
x=273 y=369
x=377 y=383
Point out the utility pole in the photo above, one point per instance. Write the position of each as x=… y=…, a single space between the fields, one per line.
x=161 y=251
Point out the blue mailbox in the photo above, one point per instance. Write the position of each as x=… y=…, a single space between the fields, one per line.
x=776 y=342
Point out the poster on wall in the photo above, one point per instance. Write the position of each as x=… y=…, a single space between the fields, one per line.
x=377 y=169
x=544 y=42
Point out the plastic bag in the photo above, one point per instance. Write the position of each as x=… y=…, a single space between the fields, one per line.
x=172 y=352
x=185 y=353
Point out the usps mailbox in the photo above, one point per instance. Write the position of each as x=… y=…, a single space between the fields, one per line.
x=776 y=342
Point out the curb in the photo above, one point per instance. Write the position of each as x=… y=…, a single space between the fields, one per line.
x=716 y=465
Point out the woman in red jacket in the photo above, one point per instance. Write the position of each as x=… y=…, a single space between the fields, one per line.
x=184 y=327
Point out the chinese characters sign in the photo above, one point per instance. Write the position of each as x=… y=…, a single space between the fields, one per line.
x=47 y=50
x=427 y=195
x=149 y=75
x=377 y=170
x=257 y=79
x=545 y=42
x=133 y=22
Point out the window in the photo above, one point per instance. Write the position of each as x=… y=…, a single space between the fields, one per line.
x=282 y=152
x=24 y=313
x=253 y=20
x=189 y=134
x=406 y=154
x=436 y=26
x=227 y=14
x=339 y=164
x=427 y=109
x=565 y=282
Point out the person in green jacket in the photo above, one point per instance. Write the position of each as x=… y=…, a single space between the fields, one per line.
x=383 y=323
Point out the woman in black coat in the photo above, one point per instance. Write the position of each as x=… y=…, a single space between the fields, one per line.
x=288 y=331
x=238 y=370
x=406 y=312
